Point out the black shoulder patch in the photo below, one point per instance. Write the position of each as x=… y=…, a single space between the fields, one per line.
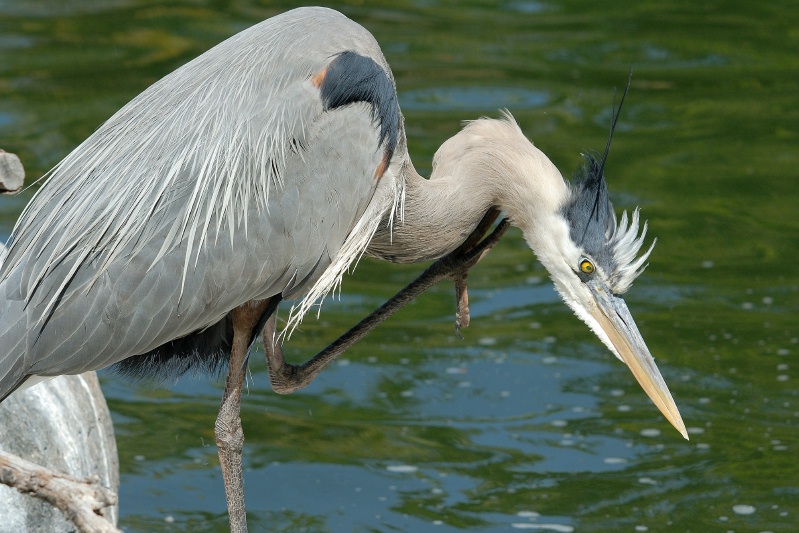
x=351 y=78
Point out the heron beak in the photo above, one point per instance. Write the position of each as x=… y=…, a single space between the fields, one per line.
x=617 y=323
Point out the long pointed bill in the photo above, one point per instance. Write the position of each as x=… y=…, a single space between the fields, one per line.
x=613 y=316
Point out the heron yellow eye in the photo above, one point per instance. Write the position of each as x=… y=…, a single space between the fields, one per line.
x=586 y=266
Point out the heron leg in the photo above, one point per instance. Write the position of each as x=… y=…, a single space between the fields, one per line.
x=228 y=431
x=462 y=317
x=287 y=378
x=283 y=377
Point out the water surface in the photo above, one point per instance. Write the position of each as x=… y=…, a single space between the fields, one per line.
x=528 y=422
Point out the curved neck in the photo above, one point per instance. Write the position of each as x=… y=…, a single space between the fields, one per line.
x=488 y=164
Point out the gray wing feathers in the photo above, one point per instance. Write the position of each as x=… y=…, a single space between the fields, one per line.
x=229 y=199
x=133 y=307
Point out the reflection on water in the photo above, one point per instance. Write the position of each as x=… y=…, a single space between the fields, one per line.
x=527 y=423
x=473 y=99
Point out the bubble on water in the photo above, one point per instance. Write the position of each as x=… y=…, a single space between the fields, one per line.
x=693 y=430
x=704 y=401
x=783 y=351
x=487 y=341
x=559 y=423
x=783 y=377
x=438 y=522
x=402 y=469
x=708 y=264
x=747 y=306
x=647 y=481
x=343 y=362
x=456 y=370
x=557 y=528
x=549 y=360
x=614 y=460
x=169 y=519
x=616 y=393
x=650 y=432
x=641 y=528
x=528 y=514
x=702 y=446
x=768 y=300
x=407 y=393
x=623 y=408
x=743 y=509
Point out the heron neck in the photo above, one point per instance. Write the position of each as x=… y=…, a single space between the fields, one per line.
x=469 y=177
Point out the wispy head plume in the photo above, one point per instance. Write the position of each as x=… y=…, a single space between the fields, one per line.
x=593 y=225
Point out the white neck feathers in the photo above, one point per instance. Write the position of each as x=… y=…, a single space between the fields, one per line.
x=490 y=163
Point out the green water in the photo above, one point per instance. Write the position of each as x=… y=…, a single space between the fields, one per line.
x=527 y=423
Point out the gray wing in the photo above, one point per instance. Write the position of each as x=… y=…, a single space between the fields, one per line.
x=237 y=177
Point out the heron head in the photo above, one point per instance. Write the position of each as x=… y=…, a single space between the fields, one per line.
x=593 y=259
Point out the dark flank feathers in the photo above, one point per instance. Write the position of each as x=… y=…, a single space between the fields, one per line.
x=204 y=351
x=354 y=78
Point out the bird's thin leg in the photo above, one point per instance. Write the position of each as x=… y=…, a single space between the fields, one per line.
x=462 y=302
x=473 y=244
x=228 y=430
x=281 y=374
x=286 y=378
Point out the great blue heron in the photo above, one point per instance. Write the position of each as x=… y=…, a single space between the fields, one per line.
x=261 y=171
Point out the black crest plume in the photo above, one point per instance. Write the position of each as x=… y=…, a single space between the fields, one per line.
x=598 y=170
x=589 y=211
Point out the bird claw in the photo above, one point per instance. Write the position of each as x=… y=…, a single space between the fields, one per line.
x=462 y=303
x=465 y=257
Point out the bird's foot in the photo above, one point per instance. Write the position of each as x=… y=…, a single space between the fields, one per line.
x=286 y=378
x=457 y=263
x=462 y=305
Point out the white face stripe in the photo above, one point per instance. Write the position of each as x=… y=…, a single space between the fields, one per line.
x=617 y=260
x=561 y=257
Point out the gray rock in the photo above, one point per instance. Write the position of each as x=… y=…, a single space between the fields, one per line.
x=12 y=175
x=62 y=424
